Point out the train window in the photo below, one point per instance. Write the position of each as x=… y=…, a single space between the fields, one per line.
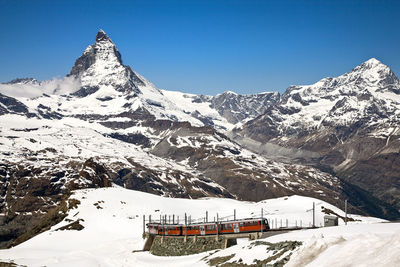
x=241 y=224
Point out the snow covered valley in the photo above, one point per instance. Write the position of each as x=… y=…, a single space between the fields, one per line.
x=112 y=227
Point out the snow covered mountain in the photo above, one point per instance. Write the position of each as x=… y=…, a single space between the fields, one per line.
x=352 y=122
x=105 y=125
x=369 y=93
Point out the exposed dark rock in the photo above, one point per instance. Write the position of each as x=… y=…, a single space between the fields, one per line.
x=137 y=139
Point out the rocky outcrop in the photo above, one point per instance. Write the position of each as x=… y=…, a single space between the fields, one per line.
x=10 y=105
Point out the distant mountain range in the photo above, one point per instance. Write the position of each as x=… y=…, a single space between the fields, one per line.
x=104 y=124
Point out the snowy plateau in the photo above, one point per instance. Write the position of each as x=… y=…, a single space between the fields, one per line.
x=110 y=141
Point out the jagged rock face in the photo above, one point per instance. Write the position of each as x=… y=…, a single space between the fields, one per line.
x=237 y=108
x=347 y=120
x=10 y=105
x=101 y=65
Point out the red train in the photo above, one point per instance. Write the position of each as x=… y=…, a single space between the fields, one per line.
x=210 y=228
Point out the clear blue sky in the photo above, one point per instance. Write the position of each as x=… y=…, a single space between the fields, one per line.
x=203 y=46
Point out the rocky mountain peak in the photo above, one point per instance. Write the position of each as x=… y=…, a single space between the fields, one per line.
x=371 y=65
x=372 y=61
x=372 y=74
x=101 y=65
x=102 y=36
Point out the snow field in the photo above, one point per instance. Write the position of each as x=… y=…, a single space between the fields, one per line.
x=113 y=226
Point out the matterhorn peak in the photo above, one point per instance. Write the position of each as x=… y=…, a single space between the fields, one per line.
x=101 y=66
x=102 y=36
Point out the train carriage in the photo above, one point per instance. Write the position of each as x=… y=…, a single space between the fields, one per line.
x=211 y=228
x=165 y=229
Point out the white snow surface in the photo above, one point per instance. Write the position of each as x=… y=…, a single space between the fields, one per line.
x=185 y=101
x=114 y=230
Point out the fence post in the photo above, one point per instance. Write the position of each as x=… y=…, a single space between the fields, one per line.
x=185 y=224
x=262 y=220
x=234 y=214
x=313 y=214
x=144 y=223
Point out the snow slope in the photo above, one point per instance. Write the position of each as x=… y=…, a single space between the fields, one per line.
x=113 y=225
x=352 y=245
